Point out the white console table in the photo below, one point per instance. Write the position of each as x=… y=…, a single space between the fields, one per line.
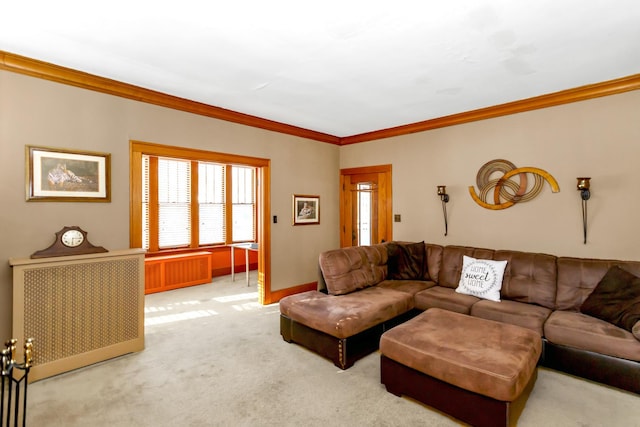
x=247 y=248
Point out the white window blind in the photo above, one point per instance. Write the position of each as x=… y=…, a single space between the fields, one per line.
x=243 y=203
x=219 y=191
x=145 y=202
x=211 y=203
x=174 y=203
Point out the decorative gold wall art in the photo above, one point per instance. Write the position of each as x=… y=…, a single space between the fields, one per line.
x=507 y=192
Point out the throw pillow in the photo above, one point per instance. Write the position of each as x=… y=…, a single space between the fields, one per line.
x=481 y=278
x=616 y=299
x=406 y=261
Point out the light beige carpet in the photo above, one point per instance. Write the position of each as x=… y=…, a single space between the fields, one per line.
x=214 y=357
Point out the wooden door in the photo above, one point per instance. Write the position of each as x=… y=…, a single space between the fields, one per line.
x=365 y=205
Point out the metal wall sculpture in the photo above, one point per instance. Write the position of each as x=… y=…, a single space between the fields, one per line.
x=506 y=191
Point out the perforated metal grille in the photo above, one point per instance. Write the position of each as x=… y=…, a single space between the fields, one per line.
x=73 y=309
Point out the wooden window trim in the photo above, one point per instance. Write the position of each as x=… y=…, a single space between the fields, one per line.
x=263 y=197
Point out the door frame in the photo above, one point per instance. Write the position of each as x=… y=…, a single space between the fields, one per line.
x=385 y=201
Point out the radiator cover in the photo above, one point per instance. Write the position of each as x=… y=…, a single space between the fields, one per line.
x=79 y=309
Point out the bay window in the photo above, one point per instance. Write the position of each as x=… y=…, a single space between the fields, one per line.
x=192 y=203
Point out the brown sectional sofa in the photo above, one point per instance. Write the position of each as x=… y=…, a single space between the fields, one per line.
x=361 y=294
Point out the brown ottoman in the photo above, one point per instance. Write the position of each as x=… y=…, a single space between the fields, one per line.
x=477 y=370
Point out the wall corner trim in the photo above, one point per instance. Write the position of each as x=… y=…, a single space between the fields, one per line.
x=44 y=70
x=47 y=71
x=582 y=93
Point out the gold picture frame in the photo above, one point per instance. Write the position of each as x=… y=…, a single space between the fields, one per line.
x=60 y=175
x=306 y=209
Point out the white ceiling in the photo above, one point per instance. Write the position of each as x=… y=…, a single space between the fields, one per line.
x=341 y=67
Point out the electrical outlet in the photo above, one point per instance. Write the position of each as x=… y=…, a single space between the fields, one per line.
x=275 y=219
x=397 y=218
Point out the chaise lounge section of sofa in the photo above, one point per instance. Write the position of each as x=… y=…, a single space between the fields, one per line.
x=346 y=323
x=364 y=291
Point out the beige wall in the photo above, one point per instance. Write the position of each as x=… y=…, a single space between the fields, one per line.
x=598 y=138
x=38 y=112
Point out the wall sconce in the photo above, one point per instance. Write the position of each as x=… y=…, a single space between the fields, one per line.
x=585 y=194
x=444 y=197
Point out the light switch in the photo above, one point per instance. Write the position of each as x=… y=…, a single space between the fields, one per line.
x=397 y=218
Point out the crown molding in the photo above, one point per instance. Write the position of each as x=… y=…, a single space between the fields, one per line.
x=582 y=93
x=44 y=70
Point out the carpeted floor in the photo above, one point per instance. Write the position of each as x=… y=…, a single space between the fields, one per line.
x=214 y=357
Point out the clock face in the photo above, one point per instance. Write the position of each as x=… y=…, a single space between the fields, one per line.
x=72 y=238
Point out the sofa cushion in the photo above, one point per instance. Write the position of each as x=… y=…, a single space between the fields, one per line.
x=528 y=316
x=446 y=298
x=343 y=316
x=409 y=286
x=345 y=270
x=378 y=259
x=406 y=261
x=348 y=269
x=302 y=298
x=616 y=299
x=434 y=260
x=636 y=330
x=451 y=266
x=529 y=277
x=578 y=277
x=585 y=332
x=481 y=278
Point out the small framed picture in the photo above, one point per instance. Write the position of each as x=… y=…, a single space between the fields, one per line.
x=306 y=209
x=58 y=175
